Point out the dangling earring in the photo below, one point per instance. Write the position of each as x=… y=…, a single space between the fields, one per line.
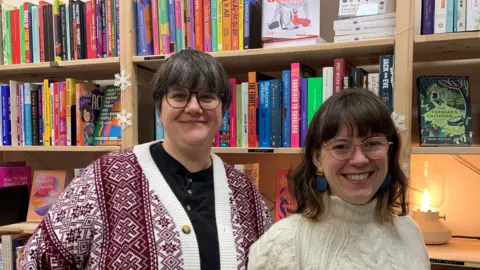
x=386 y=183
x=320 y=182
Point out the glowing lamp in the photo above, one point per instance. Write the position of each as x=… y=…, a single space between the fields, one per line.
x=428 y=194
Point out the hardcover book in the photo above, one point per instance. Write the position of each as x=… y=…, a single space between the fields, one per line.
x=444 y=111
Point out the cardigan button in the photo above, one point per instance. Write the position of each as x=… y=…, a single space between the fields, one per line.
x=186 y=229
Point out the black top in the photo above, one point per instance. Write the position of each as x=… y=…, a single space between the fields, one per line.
x=195 y=192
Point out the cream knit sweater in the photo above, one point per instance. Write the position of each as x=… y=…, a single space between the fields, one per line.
x=348 y=238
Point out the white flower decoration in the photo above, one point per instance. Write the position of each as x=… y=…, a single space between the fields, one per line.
x=124 y=118
x=399 y=121
x=122 y=80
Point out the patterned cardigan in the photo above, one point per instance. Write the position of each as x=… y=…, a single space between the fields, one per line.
x=121 y=214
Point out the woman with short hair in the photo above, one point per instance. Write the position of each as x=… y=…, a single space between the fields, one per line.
x=161 y=205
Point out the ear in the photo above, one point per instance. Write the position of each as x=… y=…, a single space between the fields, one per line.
x=316 y=157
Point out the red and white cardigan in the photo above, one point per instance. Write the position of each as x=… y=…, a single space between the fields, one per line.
x=121 y=214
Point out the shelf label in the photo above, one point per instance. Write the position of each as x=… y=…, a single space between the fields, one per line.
x=261 y=150
x=155 y=57
x=439 y=261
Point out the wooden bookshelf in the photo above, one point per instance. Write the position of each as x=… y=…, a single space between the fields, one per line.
x=457 y=252
x=274 y=59
x=473 y=150
x=98 y=68
x=59 y=148
x=449 y=46
x=23 y=227
x=256 y=150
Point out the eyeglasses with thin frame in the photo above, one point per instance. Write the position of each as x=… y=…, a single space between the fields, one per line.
x=373 y=148
x=178 y=97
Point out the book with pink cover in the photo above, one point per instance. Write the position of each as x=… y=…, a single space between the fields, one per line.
x=46 y=188
x=284 y=200
x=15 y=182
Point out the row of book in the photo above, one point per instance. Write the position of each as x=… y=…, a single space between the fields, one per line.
x=60 y=31
x=448 y=16
x=270 y=112
x=59 y=113
x=366 y=27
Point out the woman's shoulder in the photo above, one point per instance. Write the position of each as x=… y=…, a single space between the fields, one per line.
x=411 y=235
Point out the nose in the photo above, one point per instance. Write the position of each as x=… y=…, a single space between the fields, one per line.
x=193 y=105
x=358 y=157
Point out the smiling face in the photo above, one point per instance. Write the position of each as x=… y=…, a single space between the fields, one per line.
x=190 y=126
x=358 y=178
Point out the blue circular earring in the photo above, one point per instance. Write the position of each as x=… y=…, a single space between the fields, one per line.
x=320 y=182
x=386 y=183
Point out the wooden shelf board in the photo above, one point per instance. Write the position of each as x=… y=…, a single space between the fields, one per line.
x=59 y=148
x=275 y=59
x=446 y=150
x=252 y=150
x=83 y=69
x=449 y=46
x=461 y=252
x=23 y=227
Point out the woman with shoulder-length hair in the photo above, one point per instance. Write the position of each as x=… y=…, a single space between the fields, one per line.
x=161 y=205
x=351 y=196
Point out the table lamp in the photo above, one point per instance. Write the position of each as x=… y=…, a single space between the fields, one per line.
x=428 y=194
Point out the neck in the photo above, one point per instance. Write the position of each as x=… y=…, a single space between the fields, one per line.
x=354 y=214
x=193 y=159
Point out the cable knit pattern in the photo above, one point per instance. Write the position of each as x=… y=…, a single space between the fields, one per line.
x=348 y=238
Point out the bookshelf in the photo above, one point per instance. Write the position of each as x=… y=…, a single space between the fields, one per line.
x=459 y=252
x=414 y=54
x=23 y=227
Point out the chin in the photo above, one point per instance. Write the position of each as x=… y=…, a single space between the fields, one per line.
x=357 y=198
x=194 y=140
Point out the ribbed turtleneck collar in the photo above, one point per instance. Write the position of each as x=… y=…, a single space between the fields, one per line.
x=354 y=214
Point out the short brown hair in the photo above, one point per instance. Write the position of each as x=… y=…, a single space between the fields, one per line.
x=191 y=69
x=364 y=112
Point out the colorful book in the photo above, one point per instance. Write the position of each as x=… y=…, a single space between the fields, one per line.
x=284 y=200
x=107 y=128
x=46 y=188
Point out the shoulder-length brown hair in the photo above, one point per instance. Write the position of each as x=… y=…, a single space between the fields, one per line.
x=364 y=112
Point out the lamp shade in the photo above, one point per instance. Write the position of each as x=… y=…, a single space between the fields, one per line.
x=428 y=183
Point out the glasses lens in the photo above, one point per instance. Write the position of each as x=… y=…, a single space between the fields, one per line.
x=341 y=149
x=178 y=97
x=375 y=147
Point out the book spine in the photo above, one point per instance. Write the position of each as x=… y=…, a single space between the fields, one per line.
x=207 y=27
x=461 y=12
x=428 y=15
x=276 y=113
x=386 y=80
x=40 y=116
x=220 y=25
x=141 y=35
x=2 y=14
x=15 y=24
x=47 y=127
x=327 y=74
x=233 y=113
x=27 y=113
x=473 y=15
x=88 y=30
x=224 y=131
x=104 y=29
x=241 y=28
x=164 y=26
x=14 y=112
x=20 y=116
x=93 y=33
x=264 y=114
x=246 y=31
x=314 y=96
x=51 y=33
x=26 y=32
x=235 y=24
x=198 y=13
x=178 y=25
x=214 y=24
x=440 y=18
x=171 y=26
x=62 y=114
x=286 y=126
x=110 y=25
x=63 y=33
x=373 y=83
x=252 y=109
x=303 y=110
x=239 y=115
x=35 y=35
x=34 y=115
x=155 y=30
x=21 y=32
x=451 y=6
x=5 y=35
x=227 y=25
x=6 y=125
x=245 y=112
x=295 y=105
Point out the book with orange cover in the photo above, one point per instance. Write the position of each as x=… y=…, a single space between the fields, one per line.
x=47 y=186
x=284 y=200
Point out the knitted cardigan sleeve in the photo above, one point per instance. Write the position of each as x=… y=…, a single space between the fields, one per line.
x=64 y=238
x=276 y=248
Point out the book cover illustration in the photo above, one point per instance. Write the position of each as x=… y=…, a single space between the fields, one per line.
x=87 y=100
x=252 y=171
x=290 y=19
x=444 y=111
x=46 y=188
x=107 y=129
x=284 y=200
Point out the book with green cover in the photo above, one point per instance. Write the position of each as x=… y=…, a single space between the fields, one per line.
x=444 y=111
x=314 y=96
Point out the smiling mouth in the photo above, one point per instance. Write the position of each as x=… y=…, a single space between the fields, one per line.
x=357 y=177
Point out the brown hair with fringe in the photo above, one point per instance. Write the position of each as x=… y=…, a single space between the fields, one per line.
x=364 y=112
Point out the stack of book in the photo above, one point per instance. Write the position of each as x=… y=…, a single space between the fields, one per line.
x=365 y=20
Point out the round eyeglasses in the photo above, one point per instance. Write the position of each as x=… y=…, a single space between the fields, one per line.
x=373 y=148
x=178 y=97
